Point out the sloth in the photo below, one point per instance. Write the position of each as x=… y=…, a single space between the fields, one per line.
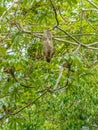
x=48 y=48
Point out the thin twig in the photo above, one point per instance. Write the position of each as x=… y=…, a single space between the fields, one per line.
x=92 y=44
x=81 y=21
x=70 y=36
x=89 y=9
x=65 y=21
x=19 y=27
x=21 y=109
x=59 y=77
x=11 y=70
x=55 y=13
x=92 y=3
x=83 y=34
x=78 y=43
x=67 y=81
x=29 y=104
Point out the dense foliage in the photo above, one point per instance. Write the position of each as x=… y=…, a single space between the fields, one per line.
x=62 y=94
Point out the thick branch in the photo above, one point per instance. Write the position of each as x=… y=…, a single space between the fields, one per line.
x=39 y=35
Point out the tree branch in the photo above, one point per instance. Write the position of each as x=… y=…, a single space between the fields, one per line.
x=39 y=35
x=19 y=27
x=55 y=13
x=29 y=104
x=78 y=43
x=93 y=4
x=59 y=77
x=11 y=70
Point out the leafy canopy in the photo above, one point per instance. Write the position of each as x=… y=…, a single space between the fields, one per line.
x=62 y=94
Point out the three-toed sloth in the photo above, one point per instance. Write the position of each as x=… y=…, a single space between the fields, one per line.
x=48 y=47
